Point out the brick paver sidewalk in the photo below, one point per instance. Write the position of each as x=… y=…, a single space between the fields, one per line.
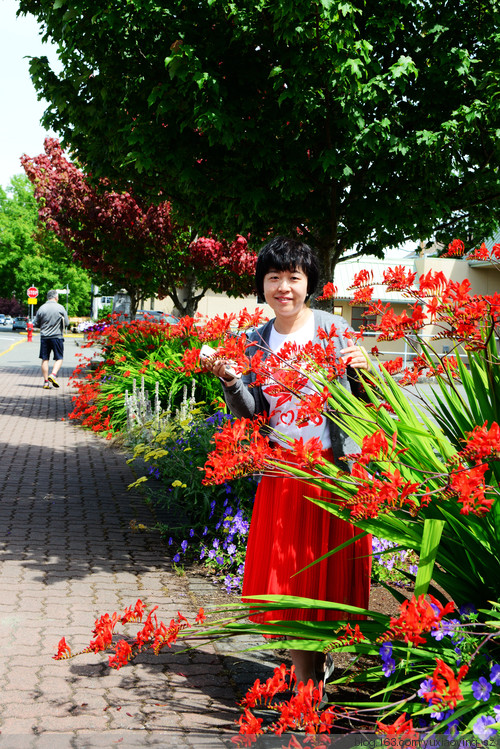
x=68 y=554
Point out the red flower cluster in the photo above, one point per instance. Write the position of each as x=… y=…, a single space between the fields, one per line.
x=329 y=291
x=153 y=635
x=300 y=712
x=240 y=449
x=417 y=616
x=482 y=443
x=382 y=494
x=470 y=487
x=445 y=690
x=400 y=727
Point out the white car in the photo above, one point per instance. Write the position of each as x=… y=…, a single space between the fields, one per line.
x=8 y=320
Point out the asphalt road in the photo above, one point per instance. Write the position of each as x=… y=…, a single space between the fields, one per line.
x=16 y=351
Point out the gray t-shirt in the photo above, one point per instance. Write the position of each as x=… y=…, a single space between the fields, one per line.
x=51 y=318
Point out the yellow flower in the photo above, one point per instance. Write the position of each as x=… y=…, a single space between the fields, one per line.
x=179 y=483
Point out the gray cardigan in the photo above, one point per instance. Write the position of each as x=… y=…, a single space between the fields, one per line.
x=246 y=402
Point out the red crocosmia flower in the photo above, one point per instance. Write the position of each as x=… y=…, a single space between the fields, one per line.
x=63 y=650
x=400 y=727
x=394 y=366
x=480 y=253
x=455 y=249
x=432 y=283
x=496 y=251
x=200 y=617
x=398 y=279
x=362 y=296
x=123 y=652
x=445 y=686
x=329 y=291
x=418 y=616
x=308 y=453
x=482 y=443
x=469 y=486
x=363 y=278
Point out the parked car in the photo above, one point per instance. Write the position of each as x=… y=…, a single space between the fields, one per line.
x=2 y=319
x=8 y=320
x=155 y=315
x=20 y=323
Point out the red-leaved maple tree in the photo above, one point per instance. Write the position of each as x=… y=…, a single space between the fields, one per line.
x=142 y=248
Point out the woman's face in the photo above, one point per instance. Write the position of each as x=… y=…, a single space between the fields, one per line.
x=285 y=291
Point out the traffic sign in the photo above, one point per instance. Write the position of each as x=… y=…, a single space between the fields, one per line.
x=31 y=300
x=32 y=292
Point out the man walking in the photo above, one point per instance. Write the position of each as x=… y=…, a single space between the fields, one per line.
x=51 y=318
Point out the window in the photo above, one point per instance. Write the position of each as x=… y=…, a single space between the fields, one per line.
x=358 y=317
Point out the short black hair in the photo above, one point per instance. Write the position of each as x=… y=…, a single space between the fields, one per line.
x=285 y=253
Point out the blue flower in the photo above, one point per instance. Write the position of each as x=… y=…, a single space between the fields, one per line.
x=191 y=532
x=481 y=689
x=170 y=541
x=177 y=558
x=495 y=674
x=231 y=549
x=480 y=727
x=219 y=560
x=184 y=546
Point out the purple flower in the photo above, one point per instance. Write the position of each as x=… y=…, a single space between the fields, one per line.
x=496 y=710
x=231 y=549
x=481 y=689
x=219 y=560
x=467 y=609
x=426 y=685
x=480 y=727
x=184 y=546
x=389 y=666
x=177 y=558
x=191 y=532
x=385 y=650
x=452 y=729
x=170 y=541
x=495 y=674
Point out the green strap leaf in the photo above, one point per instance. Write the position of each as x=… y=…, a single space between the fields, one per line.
x=431 y=538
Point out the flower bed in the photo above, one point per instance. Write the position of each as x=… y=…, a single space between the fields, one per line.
x=427 y=480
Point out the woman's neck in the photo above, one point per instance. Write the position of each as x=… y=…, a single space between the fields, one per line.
x=286 y=325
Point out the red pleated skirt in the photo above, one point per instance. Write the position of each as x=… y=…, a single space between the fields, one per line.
x=287 y=532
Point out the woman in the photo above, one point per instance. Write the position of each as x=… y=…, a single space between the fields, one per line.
x=288 y=532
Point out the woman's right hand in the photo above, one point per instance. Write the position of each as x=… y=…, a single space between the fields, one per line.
x=219 y=368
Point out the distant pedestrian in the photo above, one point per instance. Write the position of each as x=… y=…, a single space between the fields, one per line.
x=51 y=318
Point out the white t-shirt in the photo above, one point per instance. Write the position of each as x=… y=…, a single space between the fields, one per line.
x=282 y=418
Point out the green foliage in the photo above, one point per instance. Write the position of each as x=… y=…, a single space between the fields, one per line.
x=31 y=257
x=205 y=523
x=362 y=124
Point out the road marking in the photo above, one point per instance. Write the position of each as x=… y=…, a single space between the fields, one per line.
x=11 y=347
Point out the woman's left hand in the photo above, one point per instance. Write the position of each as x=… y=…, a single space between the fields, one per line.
x=356 y=357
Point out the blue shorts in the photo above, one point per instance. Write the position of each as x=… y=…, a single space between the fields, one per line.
x=56 y=345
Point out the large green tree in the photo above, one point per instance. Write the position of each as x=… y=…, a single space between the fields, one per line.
x=360 y=124
x=30 y=256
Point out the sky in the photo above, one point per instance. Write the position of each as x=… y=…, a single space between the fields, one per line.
x=20 y=129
